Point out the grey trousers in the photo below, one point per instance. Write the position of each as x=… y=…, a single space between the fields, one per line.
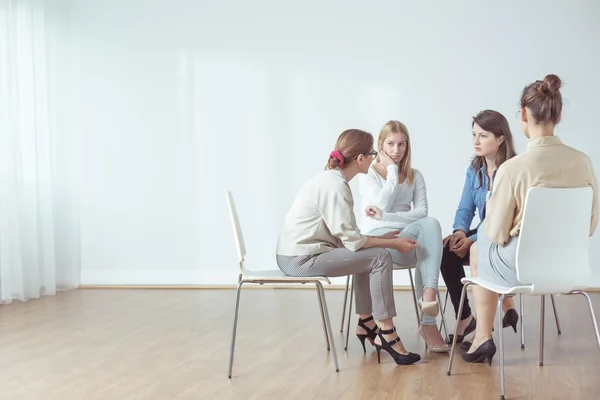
x=427 y=257
x=372 y=270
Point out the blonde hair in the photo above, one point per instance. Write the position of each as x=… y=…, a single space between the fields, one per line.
x=392 y=127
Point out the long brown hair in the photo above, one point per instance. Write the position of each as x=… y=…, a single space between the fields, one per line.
x=351 y=143
x=392 y=127
x=495 y=123
x=543 y=99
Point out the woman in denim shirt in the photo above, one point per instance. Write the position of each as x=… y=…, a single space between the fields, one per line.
x=493 y=143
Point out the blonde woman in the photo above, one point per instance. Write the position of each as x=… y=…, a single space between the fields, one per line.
x=394 y=198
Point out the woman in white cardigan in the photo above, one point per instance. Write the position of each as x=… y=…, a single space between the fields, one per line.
x=394 y=197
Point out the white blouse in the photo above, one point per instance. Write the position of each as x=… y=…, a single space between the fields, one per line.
x=393 y=198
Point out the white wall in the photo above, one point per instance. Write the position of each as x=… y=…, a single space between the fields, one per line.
x=177 y=101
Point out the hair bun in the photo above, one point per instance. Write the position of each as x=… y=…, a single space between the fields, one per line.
x=552 y=83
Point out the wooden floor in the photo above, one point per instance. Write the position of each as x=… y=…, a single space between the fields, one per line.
x=174 y=344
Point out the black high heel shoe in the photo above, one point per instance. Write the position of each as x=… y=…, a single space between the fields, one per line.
x=511 y=317
x=468 y=330
x=401 y=359
x=371 y=332
x=486 y=351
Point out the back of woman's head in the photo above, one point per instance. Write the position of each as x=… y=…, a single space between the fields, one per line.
x=350 y=144
x=543 y=100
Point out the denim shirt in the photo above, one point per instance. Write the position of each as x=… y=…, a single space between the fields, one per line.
x=473 y=198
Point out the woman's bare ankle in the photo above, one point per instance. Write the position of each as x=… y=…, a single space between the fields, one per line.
x=433 y=335
x=507 y=304
x=463 y=323
x=477 y=341
x=429 y=294
x=388 y=325
x=369 y=324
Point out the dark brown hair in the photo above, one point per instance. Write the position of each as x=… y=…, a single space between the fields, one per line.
x=543 y=99
x=351 y=143
x=495 y=123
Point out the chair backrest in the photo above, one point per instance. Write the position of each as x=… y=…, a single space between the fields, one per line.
x=237 y=230
x=553 y=247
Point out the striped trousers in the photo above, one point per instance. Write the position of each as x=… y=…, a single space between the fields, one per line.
x=372 y=270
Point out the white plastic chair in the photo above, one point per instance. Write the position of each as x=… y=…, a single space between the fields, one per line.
x=521 y=316
x=554 y=263
x=396 y=267
x=273 y=276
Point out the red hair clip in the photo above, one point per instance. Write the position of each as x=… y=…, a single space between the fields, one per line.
x=338 y=155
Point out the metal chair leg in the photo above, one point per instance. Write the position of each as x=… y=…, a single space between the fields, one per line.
x=349 y=312
x=414 y=296
x=542 y=328
x=345 y=302
x=443 y=307
x=443 y=323
x=322 y=317
x=594 y=322
x=235 y=321
x=454 y=338
x=555 y=315
x=501 y=340
x=328 y=324
x=522 y=318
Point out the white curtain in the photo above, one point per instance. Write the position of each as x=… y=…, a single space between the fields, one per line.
x=35 y=259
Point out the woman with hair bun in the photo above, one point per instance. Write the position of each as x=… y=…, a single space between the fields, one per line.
x=320 y=237
x=547 y=162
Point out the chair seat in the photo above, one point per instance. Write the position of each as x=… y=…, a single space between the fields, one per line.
x=277 y=276
x=498 y=288
x=397 y=267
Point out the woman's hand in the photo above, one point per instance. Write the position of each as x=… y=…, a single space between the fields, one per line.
x=462 y=247
x=454 y=238
x=390 y=235
x=374 y=212
x=404 y=245
x=385 y=159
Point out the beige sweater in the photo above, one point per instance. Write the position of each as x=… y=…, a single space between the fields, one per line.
x=547 y=162
x=321 y=218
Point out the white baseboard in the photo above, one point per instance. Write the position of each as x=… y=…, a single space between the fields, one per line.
x=187 y=277
x=157 y=277
x=206 y=279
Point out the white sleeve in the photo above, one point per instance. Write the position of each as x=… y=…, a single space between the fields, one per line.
x=420 y=207
x=374 y=193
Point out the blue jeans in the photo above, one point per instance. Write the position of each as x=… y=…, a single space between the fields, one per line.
x=427 y=257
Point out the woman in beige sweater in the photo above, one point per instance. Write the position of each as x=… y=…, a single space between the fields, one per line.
x=547 y=162
x=320 y=238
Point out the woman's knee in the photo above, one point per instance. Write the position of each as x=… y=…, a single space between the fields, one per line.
x=384 y=258
x=431 y=225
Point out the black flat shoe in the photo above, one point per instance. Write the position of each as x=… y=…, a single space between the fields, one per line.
x=468 y=330
x=485 y=352
x=511 y=317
